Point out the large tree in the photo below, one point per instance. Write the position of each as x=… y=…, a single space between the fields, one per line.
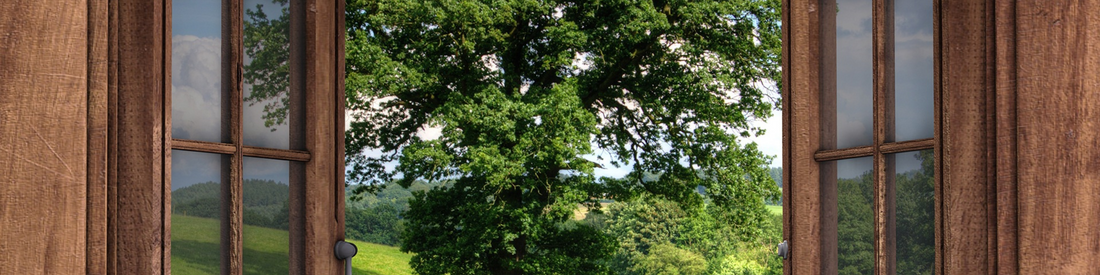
x=531 y=95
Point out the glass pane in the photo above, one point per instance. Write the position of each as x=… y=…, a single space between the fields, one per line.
x=266 y=74
x=914 y=219
x=855 y=217
x=854 y=73
x=266 y=200
x=913 y=69
x=197 y=215
x=196 y=70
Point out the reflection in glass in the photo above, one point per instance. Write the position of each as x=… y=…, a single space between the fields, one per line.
x=914 y=220
x=266 y=216
x=196 y=212
x=913 y=69
x=854 y=73
x=266 y=73
x=196 y=70
x=855 y=217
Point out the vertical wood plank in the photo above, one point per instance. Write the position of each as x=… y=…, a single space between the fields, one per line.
x=112 y=137
x=1005 y=27
x=963 y=143
x=1058 y=136
x=883 y=122
x=320 y=63
x=785 y=59
x=341 y=101
x=298 y=127
x=232 y=93
x=803 y=109
x=139 y=141
x=96 y=250
x=43 y=136
x=937 y=102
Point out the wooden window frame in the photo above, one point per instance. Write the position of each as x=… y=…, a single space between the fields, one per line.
x=139 y=141
x=809 y=136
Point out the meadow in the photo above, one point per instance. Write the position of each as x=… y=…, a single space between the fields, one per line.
x=195 y=250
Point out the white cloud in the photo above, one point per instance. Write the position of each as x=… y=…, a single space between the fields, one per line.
x=196 y=88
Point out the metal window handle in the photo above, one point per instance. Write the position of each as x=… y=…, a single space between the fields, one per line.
x=344 y=251
x=784 y=250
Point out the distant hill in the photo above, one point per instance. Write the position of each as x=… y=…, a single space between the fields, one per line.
x=266 y=202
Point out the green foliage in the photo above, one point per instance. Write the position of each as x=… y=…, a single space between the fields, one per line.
x=667 y=259
x=523 y=90
x=267 y=44
x=855 y=231
x=915 y=221
x=379 y=224
x=642 y=225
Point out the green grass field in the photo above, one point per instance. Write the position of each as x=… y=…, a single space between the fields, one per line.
x=195 y=250
x=775 y=209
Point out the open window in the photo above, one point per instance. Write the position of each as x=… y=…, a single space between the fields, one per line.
x=860 y=93
x=229 y=138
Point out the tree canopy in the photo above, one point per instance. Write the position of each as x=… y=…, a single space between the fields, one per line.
x=531 y=96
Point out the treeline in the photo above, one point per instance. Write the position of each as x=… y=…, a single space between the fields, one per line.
x=377 y=218
x=266 y=202
x=658 y=236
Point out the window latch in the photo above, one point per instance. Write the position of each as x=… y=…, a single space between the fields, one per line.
x=344 y=251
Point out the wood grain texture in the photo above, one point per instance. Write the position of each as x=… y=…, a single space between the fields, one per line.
x=1005 y=116
x=1058 y=136
x=937 y=103
x=320 y=63
x=804 y=133
x=96 y=250
x=341 y=101
x=137 y=218
x=964 y=145
x=43 y=128
x=232 y=121
x=785 y=60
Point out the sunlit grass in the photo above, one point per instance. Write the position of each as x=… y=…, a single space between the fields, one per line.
x=195 y=250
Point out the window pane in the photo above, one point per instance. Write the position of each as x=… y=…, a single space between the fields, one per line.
x=913 y=68
x=266 y=74
x=854 y=73
x=855 y=216
x=197 y=70
x=914 y=205
x=266 y=200
x=197 y=214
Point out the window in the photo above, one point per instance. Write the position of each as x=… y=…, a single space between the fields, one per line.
x=253 y=139
x=861 y=87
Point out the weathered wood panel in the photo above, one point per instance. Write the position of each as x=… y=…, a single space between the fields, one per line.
x=320 y=216
x=965 y=150
x=137 y=220
x=98 y=15
x=803 y=133
x=1058 y=136
x=1005 y=26
x=43 y=127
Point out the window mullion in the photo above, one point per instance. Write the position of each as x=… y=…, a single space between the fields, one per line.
x=231 y=76
x=883 y=123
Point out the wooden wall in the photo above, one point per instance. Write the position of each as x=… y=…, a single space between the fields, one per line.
x=52 y=76
x=1020 y=137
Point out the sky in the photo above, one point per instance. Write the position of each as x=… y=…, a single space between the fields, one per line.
x=196 y=60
